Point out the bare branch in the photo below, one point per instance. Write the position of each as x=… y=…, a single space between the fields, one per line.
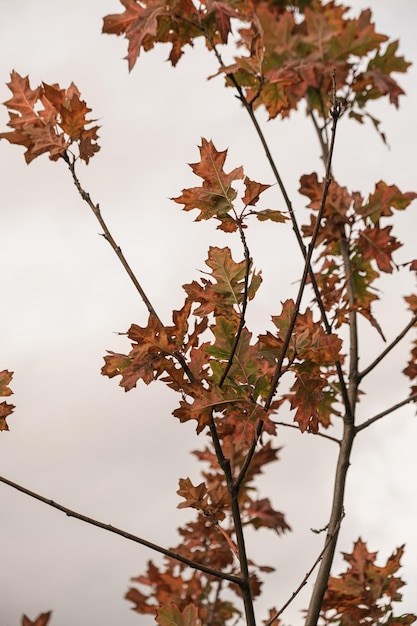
x=388 y=349
x=122 y=533
x=108 y=236
x=306 y=577
x=379 y=416
x=319 y=434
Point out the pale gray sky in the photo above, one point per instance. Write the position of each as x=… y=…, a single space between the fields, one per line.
x=75 y=436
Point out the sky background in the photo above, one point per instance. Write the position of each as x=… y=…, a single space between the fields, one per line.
x=78 y=438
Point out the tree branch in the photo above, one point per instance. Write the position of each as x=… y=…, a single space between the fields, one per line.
x=349 y=432
x=379 y=416
x=108 y=237
x=319 y=434
x=306 y=577
x=122 y=533
x=244 y=305
x=335 y=112
x=388 y=349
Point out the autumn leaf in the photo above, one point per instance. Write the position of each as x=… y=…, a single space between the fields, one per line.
x=195 y=497
x=5 y=378
x=203 y=405
x=252 y=191
x=5 y=407
x=307 y=394
x=385 y=198
x=49 y=120
x=144 y=25
x=269 y=214
x=377 y=244
x=262 y=515
x=42 y=620
x=216 y=195
x=223 y=14
x=223 y=291
x=365 y=592
x=170 y=615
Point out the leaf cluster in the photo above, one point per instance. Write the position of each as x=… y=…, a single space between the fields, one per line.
x=49 y=120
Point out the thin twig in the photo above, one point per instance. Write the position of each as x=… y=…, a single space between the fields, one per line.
x=122 y=533
x=319 y=434
x=306 y=577
x=379 y=416
x=244 y=306
x=388 y=349
x=335 y=112
x=108 y=236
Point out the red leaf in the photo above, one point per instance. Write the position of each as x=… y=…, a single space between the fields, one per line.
x=223 y=13
x=263 y=515
x=376 y=243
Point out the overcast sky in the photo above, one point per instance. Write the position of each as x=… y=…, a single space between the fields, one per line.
x=76 y=437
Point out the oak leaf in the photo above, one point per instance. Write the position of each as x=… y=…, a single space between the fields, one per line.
x=5 y=407
x=205 y=402
x=170 y=615
x=49 y=120
x=252 y=191
x=262 y=515
x=41 y=620
x=214 y=198
x=364 y=593
x=376 y=243
x=223 y=13
x=194 y=496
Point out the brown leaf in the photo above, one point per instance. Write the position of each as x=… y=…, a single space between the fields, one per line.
x=170 y=615
x=42 y=620
x=195 y=497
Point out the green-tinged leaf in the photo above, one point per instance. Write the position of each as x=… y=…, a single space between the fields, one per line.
x=269 y=214
x=216 y=195
x=383 y=200
x=170 y=615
